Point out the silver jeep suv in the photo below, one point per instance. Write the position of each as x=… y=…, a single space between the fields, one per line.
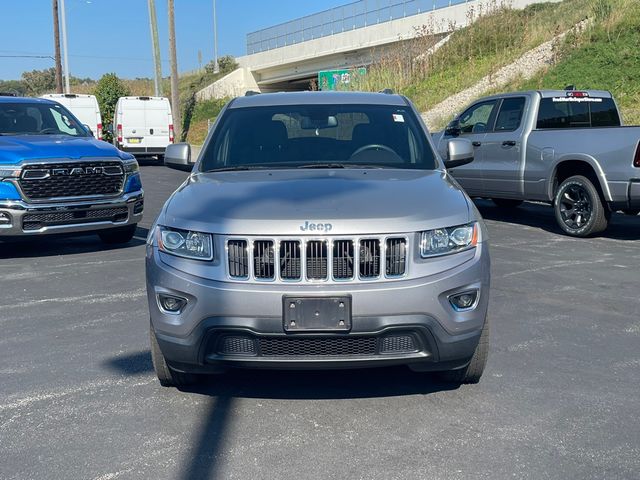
x=318 y=230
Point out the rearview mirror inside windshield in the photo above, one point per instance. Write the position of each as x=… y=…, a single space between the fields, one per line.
x=314 y=123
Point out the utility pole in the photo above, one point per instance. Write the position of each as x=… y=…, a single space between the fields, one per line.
x=153 y=23
x=56 y=46
x=64 y=47
x=175 y=98
x=216 y=67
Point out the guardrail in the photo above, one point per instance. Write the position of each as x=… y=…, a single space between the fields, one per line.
x=340 y=19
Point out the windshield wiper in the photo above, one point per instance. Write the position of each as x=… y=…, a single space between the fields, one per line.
x=322 y=165
x=342 y=165
x=235 y=168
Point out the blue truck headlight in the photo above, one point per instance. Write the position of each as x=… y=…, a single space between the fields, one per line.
x=187 y=244
x=443 y=241
x=8 y=191
x=133 y=183
x=131 y=165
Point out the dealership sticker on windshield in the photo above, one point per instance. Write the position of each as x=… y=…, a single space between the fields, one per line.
x=398 y=117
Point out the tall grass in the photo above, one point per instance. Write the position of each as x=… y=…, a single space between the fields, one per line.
x=605 y=56
x=496 y=36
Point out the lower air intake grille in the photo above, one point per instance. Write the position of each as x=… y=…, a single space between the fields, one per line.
x=237 y=346
x=36 y=221
x=398 y=344
x=238 y=261
x=310 y=347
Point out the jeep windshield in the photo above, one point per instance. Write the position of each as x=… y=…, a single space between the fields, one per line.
x=318 y=136
x=22 y=118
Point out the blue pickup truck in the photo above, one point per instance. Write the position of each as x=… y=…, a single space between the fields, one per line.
x=56 y=178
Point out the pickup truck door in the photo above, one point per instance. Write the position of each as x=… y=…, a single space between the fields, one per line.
x=503 y=150
x=474 y=123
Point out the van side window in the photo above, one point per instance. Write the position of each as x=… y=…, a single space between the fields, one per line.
x=599 y=112
x=477 y=117
x=510 y=114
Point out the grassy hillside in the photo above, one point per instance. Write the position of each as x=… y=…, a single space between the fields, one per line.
x=498 y=36
x=606 y=56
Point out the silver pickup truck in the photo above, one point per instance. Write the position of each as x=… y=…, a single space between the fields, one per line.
x=565 y=147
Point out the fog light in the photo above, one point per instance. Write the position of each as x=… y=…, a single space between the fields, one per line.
x=464 y=301
x=170 y=303
x=5 y=219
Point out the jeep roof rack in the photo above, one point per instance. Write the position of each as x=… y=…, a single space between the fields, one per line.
x=387 y=91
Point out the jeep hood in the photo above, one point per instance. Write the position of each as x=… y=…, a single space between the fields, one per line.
x=279 y=202
x=14 y=149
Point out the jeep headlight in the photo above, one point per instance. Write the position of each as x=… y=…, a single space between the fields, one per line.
x=443 y=241
x=187 y=244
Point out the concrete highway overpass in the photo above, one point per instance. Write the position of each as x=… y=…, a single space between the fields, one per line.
x=289 y=56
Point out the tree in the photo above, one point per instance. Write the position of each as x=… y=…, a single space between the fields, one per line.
x=108 y=90
x=38 y=82
x=13 y=86
x=226 y=64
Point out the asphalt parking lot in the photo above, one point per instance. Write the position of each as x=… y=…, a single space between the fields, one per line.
x=559 y=400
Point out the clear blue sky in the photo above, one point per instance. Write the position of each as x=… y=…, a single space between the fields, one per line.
x=113 y=35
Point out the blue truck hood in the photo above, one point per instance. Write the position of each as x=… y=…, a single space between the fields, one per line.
x=14 y=149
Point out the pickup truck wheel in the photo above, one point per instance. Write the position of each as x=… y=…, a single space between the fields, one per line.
x=118 y=235
x=506 y=202
x=167 y=376
x=472 y=372
x=578 y=207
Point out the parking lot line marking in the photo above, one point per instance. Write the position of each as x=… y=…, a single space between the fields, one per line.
x=84 y=299
x=86 y=388
x=550 y=267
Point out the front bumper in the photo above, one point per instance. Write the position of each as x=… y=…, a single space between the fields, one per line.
x=241 y=325
x=71 y=217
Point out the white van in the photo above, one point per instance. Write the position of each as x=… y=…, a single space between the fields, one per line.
x=84 y=107
x=143 y=126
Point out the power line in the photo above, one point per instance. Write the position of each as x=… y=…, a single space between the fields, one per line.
x=28 y=56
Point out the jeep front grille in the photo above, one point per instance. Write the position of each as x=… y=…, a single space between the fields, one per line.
x=238 y=261
x=339 y=259
x=56 y=180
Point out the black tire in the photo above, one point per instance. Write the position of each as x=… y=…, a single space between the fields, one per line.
x=506 y=202
x=472 y=372
x=631 y=211
x=118 y=235
x=166 y=375
x=579 y=210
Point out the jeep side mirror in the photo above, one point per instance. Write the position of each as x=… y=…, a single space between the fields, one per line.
x=459 y=152
x=178 y=157
x=453 y=129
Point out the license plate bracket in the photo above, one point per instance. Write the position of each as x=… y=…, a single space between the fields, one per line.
x=316 y=314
